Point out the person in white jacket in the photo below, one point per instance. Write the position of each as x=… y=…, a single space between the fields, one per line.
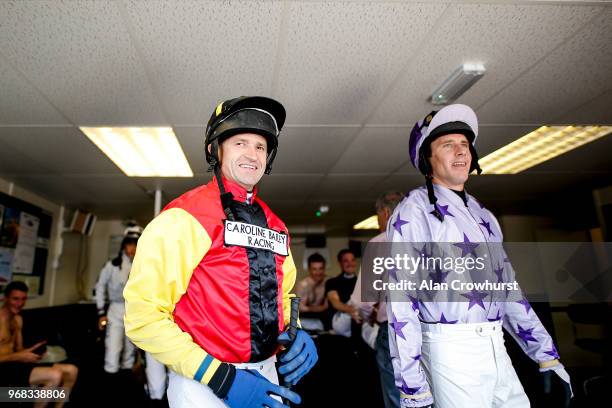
x=452 y=353
x=119 y=351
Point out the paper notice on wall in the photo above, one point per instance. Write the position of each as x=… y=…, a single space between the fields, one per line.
x=25 y=249
x=6 y=260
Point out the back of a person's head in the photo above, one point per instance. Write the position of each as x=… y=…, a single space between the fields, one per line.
x=15 y=285
x=389 y=199
x=316 y=257
x=344 y=252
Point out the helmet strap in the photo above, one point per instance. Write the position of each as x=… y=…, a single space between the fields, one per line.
x=227 y=198
x=270 y=160
x=474 y=165
x=432 y=198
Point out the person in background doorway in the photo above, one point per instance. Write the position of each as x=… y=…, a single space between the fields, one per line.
x=119 y=352
x=311 y=290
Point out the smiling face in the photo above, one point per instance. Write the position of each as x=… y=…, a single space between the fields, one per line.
x=348 y=264
x=451 y=160
x=317 y=271
x=243 y=159
x=15 y=301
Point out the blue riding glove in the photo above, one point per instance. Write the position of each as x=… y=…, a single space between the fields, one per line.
x=252 y=390
x=299 y=359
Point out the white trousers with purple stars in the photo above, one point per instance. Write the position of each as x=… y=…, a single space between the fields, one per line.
x=467 y=366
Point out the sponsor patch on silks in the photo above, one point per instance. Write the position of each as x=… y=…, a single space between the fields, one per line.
x=249 y=235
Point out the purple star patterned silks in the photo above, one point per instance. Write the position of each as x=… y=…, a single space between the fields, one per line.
x=438 y=276
x=487 y=226
x=475 y=298
x=443 y=210
x=552 y=352
x=398 y=224
x=393 y=275
x=422 y=252
x=467 y=247
x=407 y=390
x=415 y=303
x=500 y=273
x=526 y=334
x=398 y=326
x=496 y=318
x=444 y=321
x=525 y=303
x=470 y=226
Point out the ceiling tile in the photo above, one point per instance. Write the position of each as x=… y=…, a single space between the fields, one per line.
x=550 y=88
x=594 y=112
x=53 y=187
x=397 y=182
x=191 y=140
x=375 y=150
x=339 y=58
x=21 y=103
x=203 y=52
x=79 y=54
x=108 y=188
x=342 y=186
x=311 y=149
x=288 y=187
x=13 y=162
x=60 y=150
x=507 y=38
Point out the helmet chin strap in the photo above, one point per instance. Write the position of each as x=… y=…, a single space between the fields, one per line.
x=432 y=198
x=426 y=169
x=226 y=197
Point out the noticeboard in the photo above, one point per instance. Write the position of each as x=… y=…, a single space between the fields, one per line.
x=25 y=230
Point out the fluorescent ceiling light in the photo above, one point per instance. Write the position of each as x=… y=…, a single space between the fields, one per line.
x=460 y=81
x=142 y=152
x=538 y=146
x=367 y=224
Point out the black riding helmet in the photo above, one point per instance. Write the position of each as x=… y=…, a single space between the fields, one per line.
x=245 y=114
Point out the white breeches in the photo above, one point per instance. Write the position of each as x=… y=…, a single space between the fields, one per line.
x=467 y=366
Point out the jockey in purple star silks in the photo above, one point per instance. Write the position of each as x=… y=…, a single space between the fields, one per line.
x=452 y=352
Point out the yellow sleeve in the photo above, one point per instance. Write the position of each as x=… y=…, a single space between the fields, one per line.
x=289 y=273
x=170 y=248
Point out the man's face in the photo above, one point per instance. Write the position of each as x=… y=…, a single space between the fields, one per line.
x=243 y=159
x=317 y=271
x=451 y=160
x=130 y=250
x=15 y=301
x=348 y=263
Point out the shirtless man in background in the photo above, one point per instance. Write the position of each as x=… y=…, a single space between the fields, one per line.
x=19 y=366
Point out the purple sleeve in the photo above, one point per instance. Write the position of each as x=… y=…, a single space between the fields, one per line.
x=407 y=224
x=524 y=325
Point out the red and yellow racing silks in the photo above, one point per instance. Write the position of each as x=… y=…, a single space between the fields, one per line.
x=194 y=302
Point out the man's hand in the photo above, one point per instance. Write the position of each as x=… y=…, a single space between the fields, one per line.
x=355 y=315
x=102 y=322
x=558 y=379
x=252 y=390
x=299 y=359
x=28 y=355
